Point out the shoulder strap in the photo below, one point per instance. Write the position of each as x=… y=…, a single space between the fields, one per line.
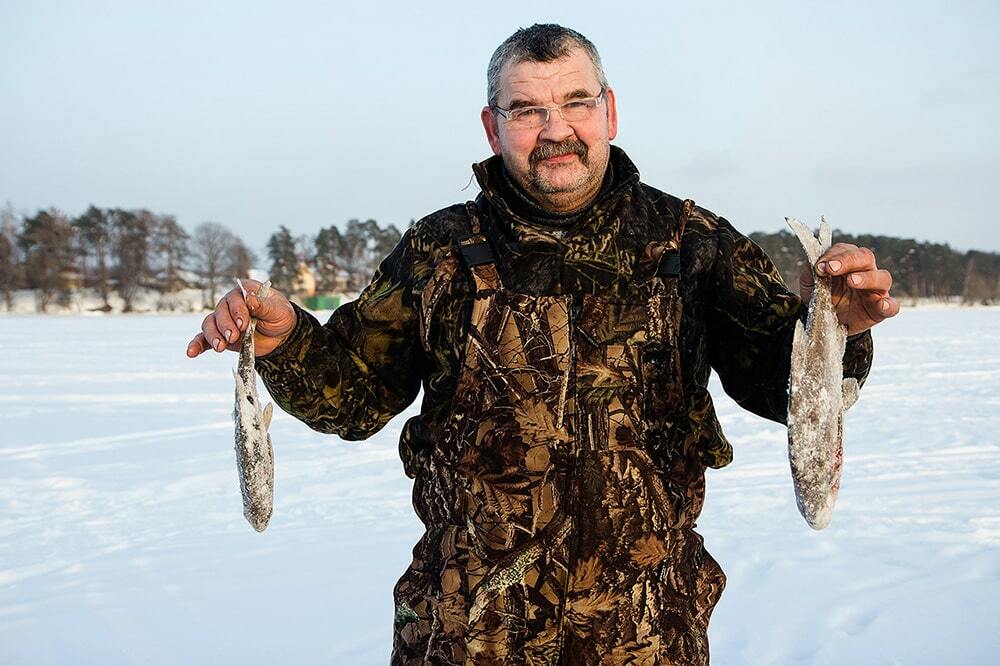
x=670 y=261
x=477 y=254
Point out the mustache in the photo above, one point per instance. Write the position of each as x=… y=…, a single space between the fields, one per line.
x=565 y=147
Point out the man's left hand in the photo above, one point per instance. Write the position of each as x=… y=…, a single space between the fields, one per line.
x=860 y=289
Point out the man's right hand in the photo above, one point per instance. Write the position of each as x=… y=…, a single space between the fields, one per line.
x=223 y=329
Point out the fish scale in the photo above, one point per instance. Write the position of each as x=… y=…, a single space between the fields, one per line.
x=254 y=454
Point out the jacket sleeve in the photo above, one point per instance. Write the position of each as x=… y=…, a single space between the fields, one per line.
x=751 y=318
x=364 y=366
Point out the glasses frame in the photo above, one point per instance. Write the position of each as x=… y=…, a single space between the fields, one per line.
x=507 y=114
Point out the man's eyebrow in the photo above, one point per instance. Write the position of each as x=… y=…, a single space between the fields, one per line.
x=521 y=103
x=579 y=93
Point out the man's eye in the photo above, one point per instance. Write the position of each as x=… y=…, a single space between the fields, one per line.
x=579 y=105
x=527 y=114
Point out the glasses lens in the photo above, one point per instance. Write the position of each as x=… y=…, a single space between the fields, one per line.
x=532 y=117
x=578 y=109
x=529 y=117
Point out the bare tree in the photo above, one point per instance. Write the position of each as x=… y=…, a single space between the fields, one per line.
x=383 y=243
x=171 y=247
x=982 y=276
x=9 y=264
x=217 y=253
x=241 y=259
x=7 y=270
x=209 y=244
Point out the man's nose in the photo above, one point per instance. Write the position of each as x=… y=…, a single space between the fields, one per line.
x=555 y=128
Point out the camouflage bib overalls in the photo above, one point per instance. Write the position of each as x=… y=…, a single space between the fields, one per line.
x=561 y=498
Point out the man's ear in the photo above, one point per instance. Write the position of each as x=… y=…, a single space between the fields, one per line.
x=492 y=129
x=609 y=96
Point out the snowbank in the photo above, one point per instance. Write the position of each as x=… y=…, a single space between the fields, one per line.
x=146 y=301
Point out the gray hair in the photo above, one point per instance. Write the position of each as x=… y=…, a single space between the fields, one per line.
x=542 y=42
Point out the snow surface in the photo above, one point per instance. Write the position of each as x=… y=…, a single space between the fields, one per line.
x=122 y=539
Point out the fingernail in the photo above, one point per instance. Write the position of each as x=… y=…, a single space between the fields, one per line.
x=821 y=268
x=855 y=280
x=885 y=306
x=239 y=323
x=217 y=343
x=835 y=265
x=229 y=335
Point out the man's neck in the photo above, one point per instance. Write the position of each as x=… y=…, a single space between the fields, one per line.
x=551 y=210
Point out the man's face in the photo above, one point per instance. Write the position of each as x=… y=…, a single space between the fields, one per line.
x=560 y=164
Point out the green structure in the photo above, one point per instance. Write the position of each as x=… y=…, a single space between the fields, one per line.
x=322 y=302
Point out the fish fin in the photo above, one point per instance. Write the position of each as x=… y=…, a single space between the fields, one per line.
x=239 y=283
x=268 y=411
x=825 y=234
x=800 y=342
x=809 y=243
x=850 y=391
x=236 y=376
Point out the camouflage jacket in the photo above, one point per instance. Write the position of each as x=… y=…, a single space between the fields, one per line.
x=351 y=375
x=560 y=450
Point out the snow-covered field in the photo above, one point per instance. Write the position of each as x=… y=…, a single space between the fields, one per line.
x=122 y=539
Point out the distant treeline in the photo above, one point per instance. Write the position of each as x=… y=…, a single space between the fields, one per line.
x=919 y=270
x=335 y=261
x=118 y=251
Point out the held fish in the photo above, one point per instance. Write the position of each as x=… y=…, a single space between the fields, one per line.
x=254 y=455
x=818 y=393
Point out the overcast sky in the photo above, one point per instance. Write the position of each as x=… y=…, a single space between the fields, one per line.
x=881 y=115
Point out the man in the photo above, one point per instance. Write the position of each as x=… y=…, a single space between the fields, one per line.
x=562 y=327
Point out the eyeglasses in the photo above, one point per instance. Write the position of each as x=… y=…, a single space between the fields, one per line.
x=533 y=117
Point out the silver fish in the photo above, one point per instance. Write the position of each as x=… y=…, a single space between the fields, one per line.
x=254 y=455
x=818 y=393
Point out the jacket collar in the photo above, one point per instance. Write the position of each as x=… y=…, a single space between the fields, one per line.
x=518 y=206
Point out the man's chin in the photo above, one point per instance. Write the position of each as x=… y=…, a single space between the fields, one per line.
x=554 y=187
x=562 y=178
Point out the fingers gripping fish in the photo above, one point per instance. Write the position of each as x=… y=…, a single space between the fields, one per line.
x=254 y=455
x=818 y=395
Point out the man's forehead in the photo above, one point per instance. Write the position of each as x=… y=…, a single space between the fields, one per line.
x=556 y=78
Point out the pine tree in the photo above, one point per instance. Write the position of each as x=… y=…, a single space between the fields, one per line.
x=284 y=260
x=328 y=260
x=47 y=242
x=130 y=231
x=93 y=230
